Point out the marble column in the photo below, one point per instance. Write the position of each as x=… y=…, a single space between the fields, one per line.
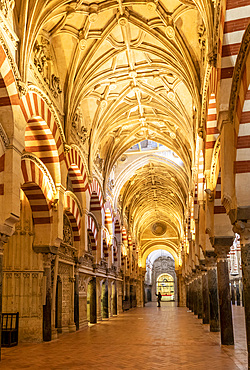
x=243 y=228
x=115 y=300
x=47 y=306
x=187 y=295
x=237 y=293
x=76 y=298
x=232 y=292
x=245 y=260
x=3 y=240
x=93 y=311
x=222 y=248
x=191 y=296
x=195 y=295
x=212 y=291
x=105 y=301
x=199 y=296
x=205 y=298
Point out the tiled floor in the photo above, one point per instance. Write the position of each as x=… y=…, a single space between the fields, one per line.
x=142 y=338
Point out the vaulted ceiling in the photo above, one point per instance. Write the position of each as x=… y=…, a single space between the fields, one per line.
x=129 y=71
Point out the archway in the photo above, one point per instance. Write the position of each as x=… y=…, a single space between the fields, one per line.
x=165 y=285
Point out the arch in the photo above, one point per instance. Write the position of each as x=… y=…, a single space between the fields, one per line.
x=92 y=230
x=39 y=189
x=9 y=93
x=167 y=246
x=74 y=213
x=76 y=171
x=212 y=131
x=95 y=188
x=44 y=135
x=108 y=222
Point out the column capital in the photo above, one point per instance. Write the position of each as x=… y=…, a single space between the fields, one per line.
x=211 y=259
x=242 y=227
x=47 y=258
x=222 y=246
x=3 y=240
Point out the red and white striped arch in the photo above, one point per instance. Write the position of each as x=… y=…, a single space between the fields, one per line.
x=42 y=135
x=8 y=90
x=124 y=237
x=96 y=200
x=234 y=23
x=76 y=170
x=117 y=228
x=39 y=190
x=8 y=98
x=74 y=214
x=108 y=221
x=91 y=226
x=212 y=132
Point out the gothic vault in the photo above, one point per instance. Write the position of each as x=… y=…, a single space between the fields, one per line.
x=124 y=130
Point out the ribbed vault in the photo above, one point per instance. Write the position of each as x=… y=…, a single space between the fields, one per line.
x=129 y=72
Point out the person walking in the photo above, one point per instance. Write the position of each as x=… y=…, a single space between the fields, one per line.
x=158 y=299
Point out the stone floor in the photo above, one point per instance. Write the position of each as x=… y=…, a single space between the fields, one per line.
x=142 y=338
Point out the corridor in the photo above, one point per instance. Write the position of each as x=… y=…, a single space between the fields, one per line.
x=142 y=338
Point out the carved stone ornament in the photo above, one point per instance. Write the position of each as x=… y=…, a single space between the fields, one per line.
x=77 y=123
x=44 y=63
x=67 y=231
x=99 y=162
x=6 y=6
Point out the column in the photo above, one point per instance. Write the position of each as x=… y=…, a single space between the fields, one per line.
x=232 y=292
x=222 y=248
x=195 y=295
x=237 y=293
x=212 y=291
x=105 y=301
x=3 y=240
x=93 y=315
x=205 y=298
x=47 y=329
x=191 y=295
x=199 y=296
x=76 y=298
x=243 y=228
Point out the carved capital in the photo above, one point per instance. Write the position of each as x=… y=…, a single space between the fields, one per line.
x=3 y=240
x=211 y=259
x=47 y=258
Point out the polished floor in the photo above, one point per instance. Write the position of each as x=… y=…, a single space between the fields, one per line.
x=142 y=338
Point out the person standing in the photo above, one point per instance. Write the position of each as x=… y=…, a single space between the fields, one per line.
x=158 y=299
